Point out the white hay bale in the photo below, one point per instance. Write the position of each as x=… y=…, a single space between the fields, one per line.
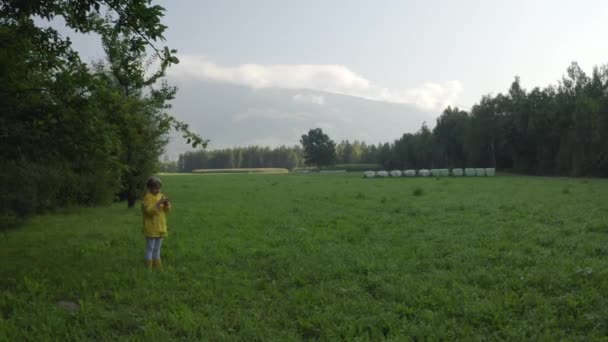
x=490 y=172
x=436 y=172
x=381 y=174
x=424 y=172
x=409 y=173
x=444 y=172
x=395 y=173
x=469 y=171
x=369 y=174
x=457 y=172
x=480 y=172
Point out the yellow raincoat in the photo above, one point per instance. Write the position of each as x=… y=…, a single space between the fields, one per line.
x=155 y=222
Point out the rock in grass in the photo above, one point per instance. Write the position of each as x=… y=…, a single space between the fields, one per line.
x=490 y=172
x=69 y=305
x=469 y=171
x=395 y=173
x=369 y=174
x=457 y=172
x=424 y=172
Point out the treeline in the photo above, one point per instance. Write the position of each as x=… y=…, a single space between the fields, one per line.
x=255 y=156
x=75 y=133
x=557 y=130
x=241 y=157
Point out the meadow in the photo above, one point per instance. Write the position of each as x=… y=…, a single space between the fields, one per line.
x=241 y=170
x=320 y=257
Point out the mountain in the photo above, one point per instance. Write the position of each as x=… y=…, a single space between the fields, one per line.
x=231 y=115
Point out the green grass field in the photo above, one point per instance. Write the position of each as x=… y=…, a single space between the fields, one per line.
x=241 y=171
x=329 y=257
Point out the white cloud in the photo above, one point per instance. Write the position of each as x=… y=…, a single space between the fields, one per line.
x=267 y=113
x=330 y=78
x=271 y=141
x=309 y=98
x=328 y=126
x=429 y=96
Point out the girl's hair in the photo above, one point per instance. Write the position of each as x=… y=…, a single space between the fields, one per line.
x=153 y=181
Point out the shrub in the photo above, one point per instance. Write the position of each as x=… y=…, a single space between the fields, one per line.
x=32 y=188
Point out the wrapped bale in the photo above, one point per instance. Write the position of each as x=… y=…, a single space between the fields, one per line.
x=469 y=171
x=409 y=173
x=369 y=174
x=457 y=172
x=480 y=172
x=381 y=174
x=445 y=172
x=436 y=172
x=395 y=173
x=490 y=172
x=424 y=173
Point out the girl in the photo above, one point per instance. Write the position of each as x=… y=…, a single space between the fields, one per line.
x=154 y=207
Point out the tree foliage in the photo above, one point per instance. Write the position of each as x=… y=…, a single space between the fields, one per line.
x=73 y=133
x=558 y=130
x=319 y=149
x=242 y=157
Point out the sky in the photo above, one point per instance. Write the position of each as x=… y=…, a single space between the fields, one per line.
x=425 y=54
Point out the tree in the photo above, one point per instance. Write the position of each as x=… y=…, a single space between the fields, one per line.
x=141 y=117
x=72 y=126
x=319 y=149
x=386 y=156
x=449 y=133
x=57 y=148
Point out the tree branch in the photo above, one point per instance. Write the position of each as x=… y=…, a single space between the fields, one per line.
x=134 y=28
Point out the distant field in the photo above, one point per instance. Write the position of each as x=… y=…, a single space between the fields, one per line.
x=347 y=167
x=253 y=170
x=329 y=257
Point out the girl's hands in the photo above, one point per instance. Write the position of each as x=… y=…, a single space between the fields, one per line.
x=163 y=201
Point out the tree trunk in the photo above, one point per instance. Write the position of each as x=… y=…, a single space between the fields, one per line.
x=493 y=153
x=131 y=193
x=131 y=198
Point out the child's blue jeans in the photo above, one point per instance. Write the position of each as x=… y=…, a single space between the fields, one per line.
x=153 y=248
